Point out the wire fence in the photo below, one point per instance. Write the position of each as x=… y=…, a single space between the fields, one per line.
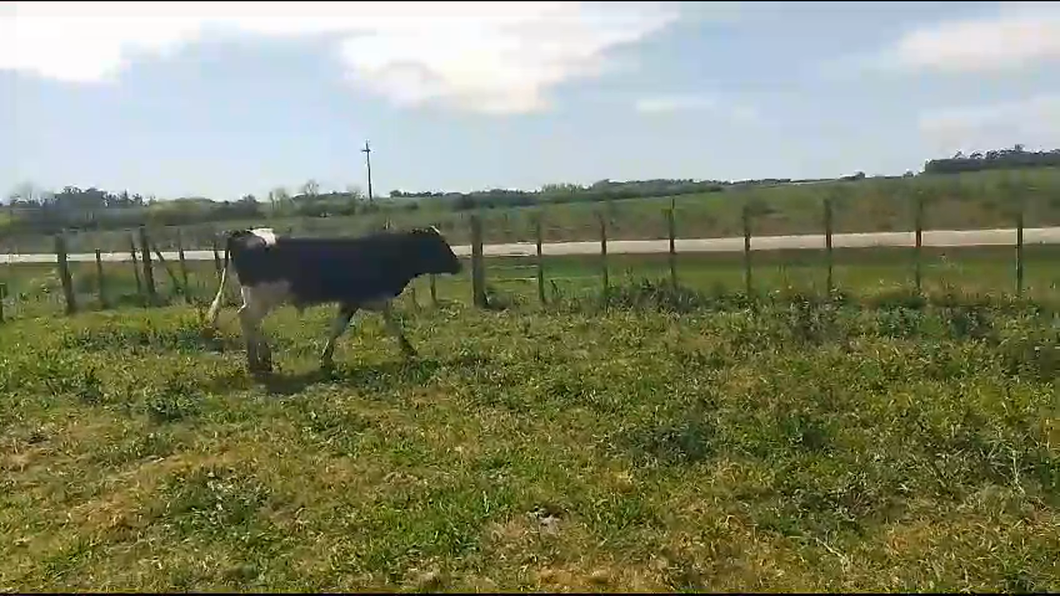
x=145 y=275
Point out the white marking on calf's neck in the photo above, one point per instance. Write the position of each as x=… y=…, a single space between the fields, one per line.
x=265 y=234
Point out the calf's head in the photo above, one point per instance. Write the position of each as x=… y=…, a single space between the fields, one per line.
x=433 y=253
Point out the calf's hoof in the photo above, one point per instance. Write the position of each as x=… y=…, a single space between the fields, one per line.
x=407 y=350
x=260 y=370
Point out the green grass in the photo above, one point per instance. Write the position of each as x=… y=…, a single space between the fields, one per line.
x=797 y=445
x=966 y=201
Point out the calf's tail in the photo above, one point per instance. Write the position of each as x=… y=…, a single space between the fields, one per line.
x=215 y=307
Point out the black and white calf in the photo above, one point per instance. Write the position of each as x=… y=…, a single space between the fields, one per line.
x=357 y=273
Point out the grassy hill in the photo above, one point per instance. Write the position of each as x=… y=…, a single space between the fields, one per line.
x=951 y=201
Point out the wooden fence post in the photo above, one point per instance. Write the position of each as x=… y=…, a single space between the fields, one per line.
x=1020 y=206
x=136 y=267
x=183 y=266
x=478 y=274
x=101 y=286
x=672 y=228
x=176 y=282
x=603 y=252
x=918 y=249
x=12 y=250
x=149 y=274
x=540 y=261
x=216 y=256
x=217 y=265
x=748 y=283
x=828 y=241
x=64 y=273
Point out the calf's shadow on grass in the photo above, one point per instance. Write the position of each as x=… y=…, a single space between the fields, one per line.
x=380 y=376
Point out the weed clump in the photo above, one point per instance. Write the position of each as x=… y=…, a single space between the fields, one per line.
x=175 y=400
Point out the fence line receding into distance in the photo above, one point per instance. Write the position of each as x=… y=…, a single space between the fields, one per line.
x=142 y=264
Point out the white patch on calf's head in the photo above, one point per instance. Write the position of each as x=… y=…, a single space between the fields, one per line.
x=265 y=234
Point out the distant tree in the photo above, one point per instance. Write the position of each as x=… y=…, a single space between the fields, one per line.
x=311 y=188
x=24 y=192
x=279 y=200
x=995 y=159
x=354 y=192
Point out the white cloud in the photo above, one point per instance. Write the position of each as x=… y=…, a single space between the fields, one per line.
x=668 y=103
x=1019 y=35
x=674 y=103
x=498 y=57
x=1034 y=121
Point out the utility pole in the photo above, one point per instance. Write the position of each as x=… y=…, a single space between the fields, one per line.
x=367 y=151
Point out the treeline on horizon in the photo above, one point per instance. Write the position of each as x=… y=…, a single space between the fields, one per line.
x=31 y=211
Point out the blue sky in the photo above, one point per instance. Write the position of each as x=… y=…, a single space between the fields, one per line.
x=222 y=99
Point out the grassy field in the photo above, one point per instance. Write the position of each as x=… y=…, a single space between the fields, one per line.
x=794 y=446
x=966 y=201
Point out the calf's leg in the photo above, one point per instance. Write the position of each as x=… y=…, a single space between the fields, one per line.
x=254 y=309
x=265 y=351
x=395 y=329
x=249 y=323
x=338 y=327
